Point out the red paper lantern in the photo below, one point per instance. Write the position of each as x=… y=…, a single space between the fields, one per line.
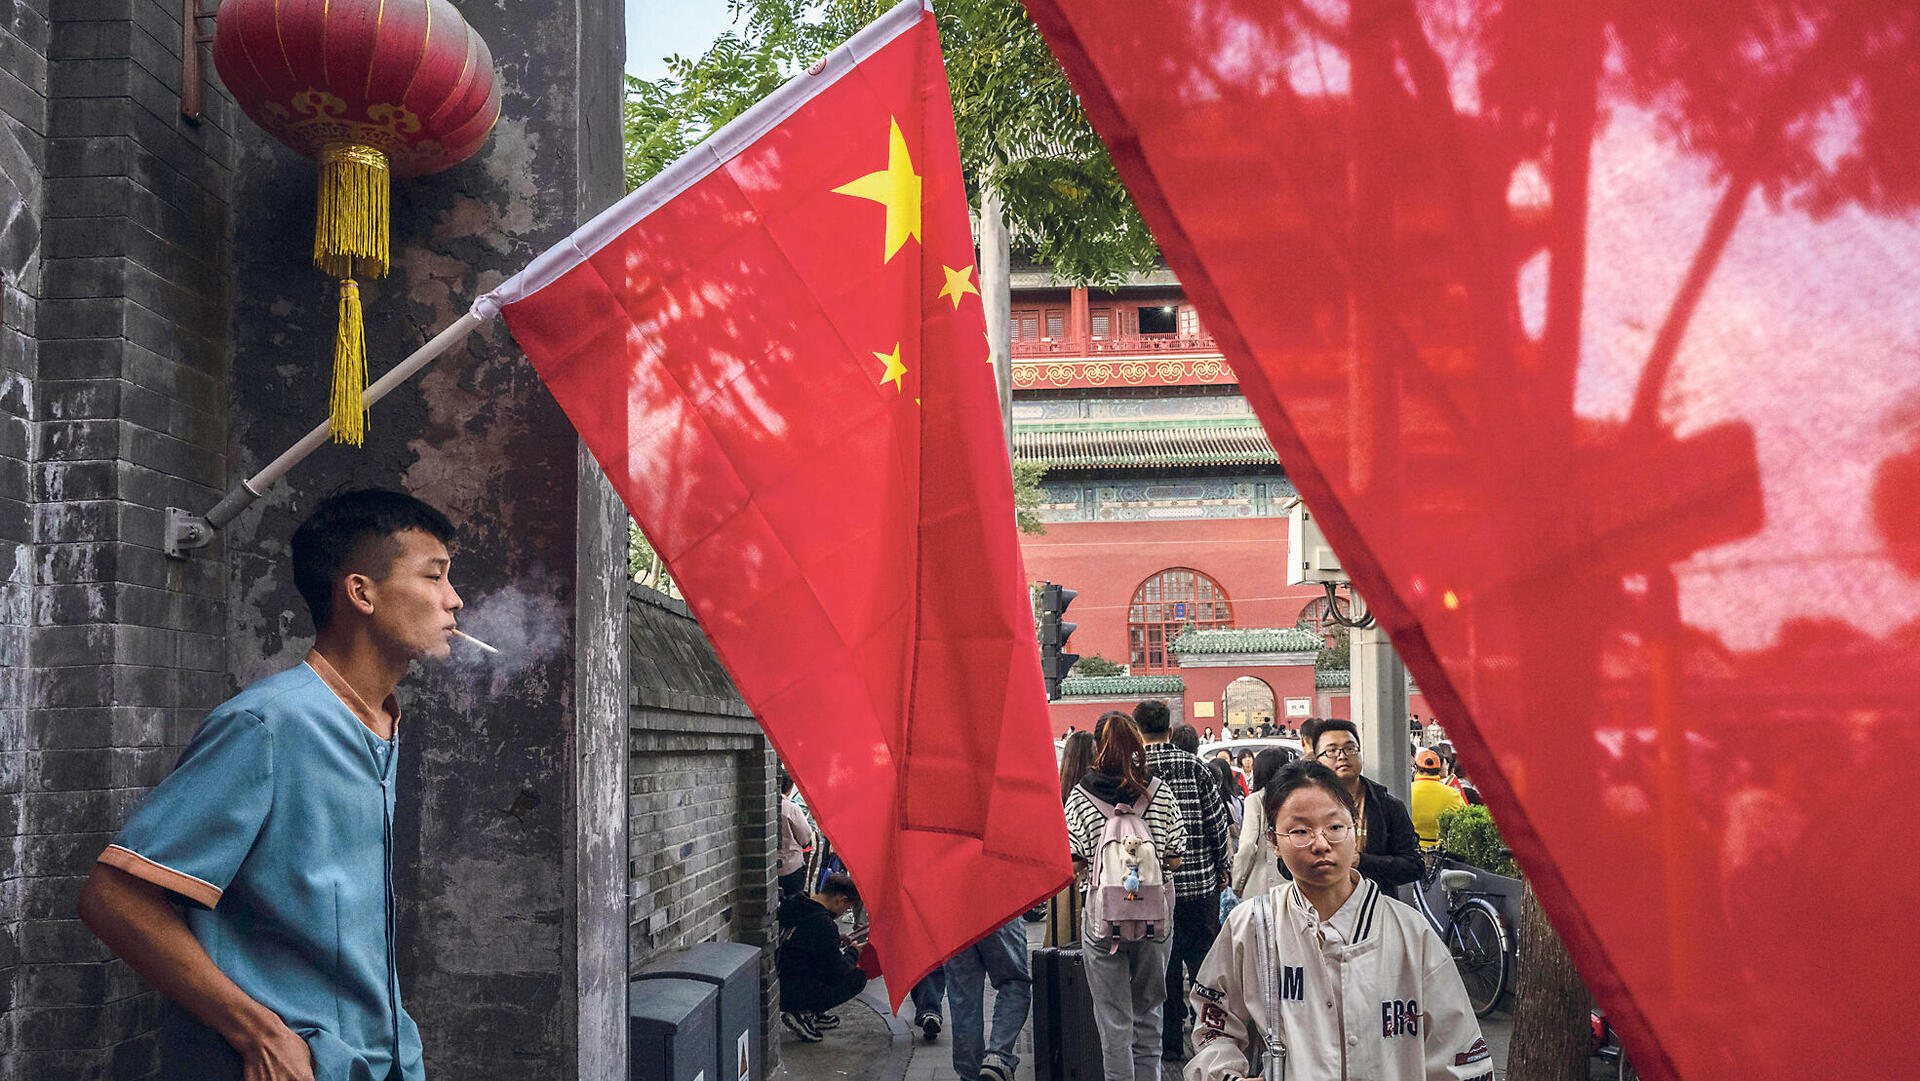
x=368 y=88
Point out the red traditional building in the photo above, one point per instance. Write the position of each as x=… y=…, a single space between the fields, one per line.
x=1165 y=507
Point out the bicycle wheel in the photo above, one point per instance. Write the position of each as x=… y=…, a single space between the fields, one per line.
x=1625 y=1070
x=1479 y=948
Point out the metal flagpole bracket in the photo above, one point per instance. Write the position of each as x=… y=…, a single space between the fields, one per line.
x=185 y=531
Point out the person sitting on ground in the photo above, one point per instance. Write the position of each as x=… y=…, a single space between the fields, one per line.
x=1329 y=938
x=1432 y=797
x=816 y=973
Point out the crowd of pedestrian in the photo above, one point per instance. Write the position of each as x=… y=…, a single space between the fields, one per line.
x=1235 y=920
x=1279 y=950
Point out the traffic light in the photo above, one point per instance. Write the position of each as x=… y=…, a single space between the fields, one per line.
x=1054 y=632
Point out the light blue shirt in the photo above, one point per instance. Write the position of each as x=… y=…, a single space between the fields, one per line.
x=277 y=824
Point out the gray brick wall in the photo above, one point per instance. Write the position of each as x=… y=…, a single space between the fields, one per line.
x=115 y=360
x=702 y=794
x=24 y=35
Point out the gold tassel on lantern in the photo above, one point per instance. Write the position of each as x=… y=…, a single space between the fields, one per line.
x=349 y=412
x=350 y=235
x=350 y=240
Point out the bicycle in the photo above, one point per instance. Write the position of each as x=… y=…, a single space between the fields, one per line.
x=1473 y=930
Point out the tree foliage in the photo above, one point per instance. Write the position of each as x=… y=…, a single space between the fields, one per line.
x=1026 y=496
x=645 y=564
x=1019 y=123
x=1093 y=664
x=1469 y=833
x=1337 y=654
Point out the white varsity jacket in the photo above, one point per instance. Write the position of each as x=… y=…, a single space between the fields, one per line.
x=1369 y=995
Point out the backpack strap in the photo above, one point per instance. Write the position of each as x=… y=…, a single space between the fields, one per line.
x=1107 y=809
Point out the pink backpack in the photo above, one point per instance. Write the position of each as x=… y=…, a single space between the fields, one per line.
x=1128 y=895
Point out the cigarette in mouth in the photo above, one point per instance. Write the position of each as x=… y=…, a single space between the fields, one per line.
x=474 y=640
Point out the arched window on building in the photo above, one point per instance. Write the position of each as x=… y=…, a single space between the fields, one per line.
x=1167 y=604
x=1314 y=617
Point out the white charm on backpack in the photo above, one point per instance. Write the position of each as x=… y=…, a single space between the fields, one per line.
x=1129 y=897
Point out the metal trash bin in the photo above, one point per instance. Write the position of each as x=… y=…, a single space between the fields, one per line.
x=734 y=969
x=671 y=1026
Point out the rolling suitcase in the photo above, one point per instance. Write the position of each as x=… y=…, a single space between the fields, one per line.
x=1066 y=1043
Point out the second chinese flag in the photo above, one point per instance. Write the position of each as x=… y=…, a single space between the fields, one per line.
x=777 y=351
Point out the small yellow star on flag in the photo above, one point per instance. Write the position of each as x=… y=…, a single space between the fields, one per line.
x=897 y=187
x=959 y=284
x=895 y=369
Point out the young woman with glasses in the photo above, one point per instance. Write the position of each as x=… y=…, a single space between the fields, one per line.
x=1326 y=977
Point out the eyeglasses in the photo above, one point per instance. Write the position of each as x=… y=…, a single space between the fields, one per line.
x=1301 y=837
x=1346 y=750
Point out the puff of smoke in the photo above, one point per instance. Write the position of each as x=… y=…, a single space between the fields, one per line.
x=526 y=627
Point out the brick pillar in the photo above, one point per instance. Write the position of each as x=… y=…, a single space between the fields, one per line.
x=23 y=122
x=124 y=649
x=511 y=861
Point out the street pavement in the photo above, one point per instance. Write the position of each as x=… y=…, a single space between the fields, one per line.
x=873 y=1044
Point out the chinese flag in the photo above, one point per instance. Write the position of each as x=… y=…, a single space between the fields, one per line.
x=1589 y=333
x=776 y=350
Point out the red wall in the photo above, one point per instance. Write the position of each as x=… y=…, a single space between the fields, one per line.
x=1107 y=561
x=1082 y=715
x=1210 y=685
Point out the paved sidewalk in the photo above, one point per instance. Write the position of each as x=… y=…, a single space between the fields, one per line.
x=865 y=1046
x=873 y=1045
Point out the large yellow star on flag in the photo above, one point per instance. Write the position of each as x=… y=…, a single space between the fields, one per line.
x=959 y=284
x=895 y=369
x=897 y=187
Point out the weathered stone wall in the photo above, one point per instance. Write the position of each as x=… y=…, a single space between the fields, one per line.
x=24 y=35
x=497 y=778
x=162 y=336
x=127 y=308
x=701 y=810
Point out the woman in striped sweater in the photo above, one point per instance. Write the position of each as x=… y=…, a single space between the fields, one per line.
x=1128 y=979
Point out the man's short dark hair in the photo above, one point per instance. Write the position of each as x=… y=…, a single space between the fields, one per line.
x=353 y=533
x=1186 y=738
x=786 y=783
x=1153 y=717
x=1316 y=727
x=840 y=886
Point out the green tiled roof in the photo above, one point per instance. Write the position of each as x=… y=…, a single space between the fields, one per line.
x=1145 y=443
x=1333 y=677
x=1095 y=686
x=1251 y=640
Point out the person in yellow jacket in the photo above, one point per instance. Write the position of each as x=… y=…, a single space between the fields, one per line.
x=1432 y=796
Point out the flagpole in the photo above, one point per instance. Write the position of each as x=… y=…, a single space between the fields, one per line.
x=186 y=531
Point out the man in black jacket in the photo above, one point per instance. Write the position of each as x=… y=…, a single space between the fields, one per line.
x=1389 y=848
x=816 y=973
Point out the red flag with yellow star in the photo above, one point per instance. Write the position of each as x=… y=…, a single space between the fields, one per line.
x=777 y=351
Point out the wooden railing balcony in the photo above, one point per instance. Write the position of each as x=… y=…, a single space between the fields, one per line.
x=1122 y=345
